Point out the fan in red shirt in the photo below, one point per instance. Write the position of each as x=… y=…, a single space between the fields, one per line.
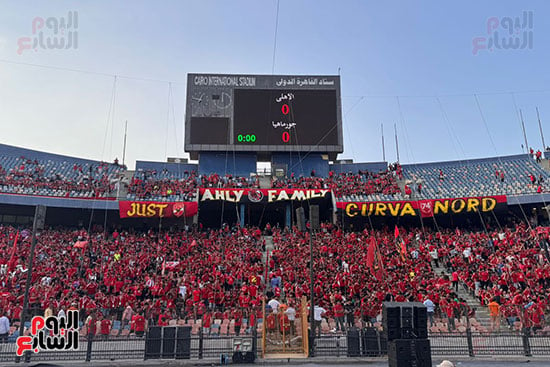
x=105 y=327
x=138 y=324
x=338 y=310
x=238 y=317
x=164 y=318
x=206 y=322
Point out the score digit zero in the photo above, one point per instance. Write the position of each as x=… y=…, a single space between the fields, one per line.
x=285 y=109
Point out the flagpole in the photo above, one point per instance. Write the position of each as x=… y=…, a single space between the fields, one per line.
x=383 y=147
x=523 y=128
x=12 y=255
x=540 y=129
x=124 y=146
x=396 y=142
x=38 y=224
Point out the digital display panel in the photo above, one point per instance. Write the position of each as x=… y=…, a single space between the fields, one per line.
x=285 y=117
x=263 y=113
x=210 y=130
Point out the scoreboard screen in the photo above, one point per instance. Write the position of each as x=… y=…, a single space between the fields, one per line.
x=287 y=117
x=263 y=113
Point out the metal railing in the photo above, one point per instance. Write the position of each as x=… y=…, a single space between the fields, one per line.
x=354 y=344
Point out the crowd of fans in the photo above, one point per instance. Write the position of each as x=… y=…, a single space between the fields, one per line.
x=100 y=180
x=228 y=181
x=346 y=184
x=82 y=180
x=177 y=275
x=220 y=274
x=147 y=185
x=509 y=267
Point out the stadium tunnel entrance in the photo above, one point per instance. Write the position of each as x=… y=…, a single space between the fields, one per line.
x=214 y=214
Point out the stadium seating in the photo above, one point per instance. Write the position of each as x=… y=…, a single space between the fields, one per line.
x=58 y=178
x=26 y=172
x=162 y=185
x=480 y=177
x=221 y=285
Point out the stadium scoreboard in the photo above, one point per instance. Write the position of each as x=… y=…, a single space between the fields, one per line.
x=263 y=113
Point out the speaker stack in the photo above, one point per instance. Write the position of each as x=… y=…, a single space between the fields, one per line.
x=354 y=349
x=406 y=330
x=168 y=342
x=372 y=344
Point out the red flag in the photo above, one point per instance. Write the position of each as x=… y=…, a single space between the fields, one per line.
x=396 y=232
x=403 y=248
x=80 y=244
x=11 y=263
x=379 y=275
x=370 y=253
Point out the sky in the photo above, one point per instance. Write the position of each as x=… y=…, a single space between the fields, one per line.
x=405 y=63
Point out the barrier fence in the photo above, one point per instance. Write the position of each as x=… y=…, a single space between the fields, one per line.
x=356 y=343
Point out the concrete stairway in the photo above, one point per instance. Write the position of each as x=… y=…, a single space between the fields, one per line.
x=268 y=247
x=265 y=182
x=125 y=180
x=482 y=312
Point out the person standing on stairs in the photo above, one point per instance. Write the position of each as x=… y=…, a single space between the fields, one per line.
x=494 y=311
x=430 y=308
x=455 y=280
x=435 y=256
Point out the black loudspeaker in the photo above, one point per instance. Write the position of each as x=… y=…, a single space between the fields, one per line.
x=409 y=353
x=391 y=313
x=183 y=342
x=383 y=344
x=424 y=352
x=371 y=348
x=407 y=333
x=402 y=349
x=39 y=217
x=301 y=219
x=168 y=342
x=153 y=341
x=354 y=349
x=391 y=320
x=407 y=316
x=314 y=217
x=421 y=321
x=404 y=320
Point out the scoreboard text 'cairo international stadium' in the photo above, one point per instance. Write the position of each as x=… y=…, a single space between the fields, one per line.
x=263 y=113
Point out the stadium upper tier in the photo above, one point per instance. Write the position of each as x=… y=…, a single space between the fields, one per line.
x=27 y=172
x=509 y=175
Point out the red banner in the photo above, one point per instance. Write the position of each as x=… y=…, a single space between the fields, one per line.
x=154 y=209
x=426 y=208
x=262 y=195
